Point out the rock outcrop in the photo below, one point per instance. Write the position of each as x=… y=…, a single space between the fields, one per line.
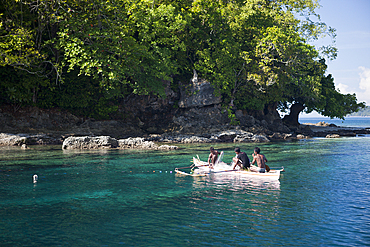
x=332 y=136
x=137 y=143
x=107 y=142
x=223 y=136
x=87 y=142
x=198 y=93
x=12 y=139
x=29 y=139
x=193 y=114
x=56 y=123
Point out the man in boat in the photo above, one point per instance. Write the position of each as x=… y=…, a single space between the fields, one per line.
x=212 y=158
x=241 y=160
x=260 y=159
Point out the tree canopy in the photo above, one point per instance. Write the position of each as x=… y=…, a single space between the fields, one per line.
x=254 y=52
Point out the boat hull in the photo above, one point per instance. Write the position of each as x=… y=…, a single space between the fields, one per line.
x=220 y=168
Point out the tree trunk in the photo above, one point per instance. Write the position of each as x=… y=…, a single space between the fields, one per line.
x=292 y=118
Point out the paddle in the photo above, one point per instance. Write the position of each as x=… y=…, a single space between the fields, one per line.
x=201 y=165
x=185 y=167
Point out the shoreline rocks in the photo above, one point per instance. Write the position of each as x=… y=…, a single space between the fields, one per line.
x=87 y=142
x=7 y=139
x=324 y=130
x=235 y=135
x=107 y=142
x=332 y=136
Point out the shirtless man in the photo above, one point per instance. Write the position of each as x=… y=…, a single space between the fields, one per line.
x=241 y=160
x=260 y=159
x=212 y=158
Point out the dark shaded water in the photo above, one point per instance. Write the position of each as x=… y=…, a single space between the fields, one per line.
x=133 y=198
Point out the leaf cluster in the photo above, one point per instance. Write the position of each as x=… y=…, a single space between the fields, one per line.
x=254 y=52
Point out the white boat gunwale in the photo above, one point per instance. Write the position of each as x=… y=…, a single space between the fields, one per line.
x=271 y=174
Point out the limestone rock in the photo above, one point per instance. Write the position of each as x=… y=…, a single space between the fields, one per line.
x=87 y=142
x=140 y=143
x=241 y=136
x=12 y=139
x=222 y=136
x=167 y=147
x=136 y=142
x=29 y=139
x=245 y=120
x=332 y=136
x=229 y=135
x=322 y=124
x=281 y=136
x=199 y=93
x=196 y=121
x=195 y=139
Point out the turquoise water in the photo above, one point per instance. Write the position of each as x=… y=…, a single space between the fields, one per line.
x=133 y=198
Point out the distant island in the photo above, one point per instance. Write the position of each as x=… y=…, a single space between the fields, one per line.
x=361 y=113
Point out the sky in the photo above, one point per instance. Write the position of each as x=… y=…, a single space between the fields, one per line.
x=351 y=68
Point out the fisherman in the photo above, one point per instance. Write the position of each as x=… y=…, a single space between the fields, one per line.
x=260 y=159
x=212 y=158
x=241 y=160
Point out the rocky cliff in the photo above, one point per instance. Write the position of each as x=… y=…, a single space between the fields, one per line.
x=193 y=110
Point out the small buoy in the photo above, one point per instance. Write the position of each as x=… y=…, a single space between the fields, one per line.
x=34 y=178
x=170 y=171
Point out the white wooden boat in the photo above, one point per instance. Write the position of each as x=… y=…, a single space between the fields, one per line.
x=203 y=169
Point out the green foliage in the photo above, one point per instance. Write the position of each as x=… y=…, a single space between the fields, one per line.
x=81 y=95
x=334 y=104
x=19 y=87
x=17 y=36
x=365 y=112
x=255 y=53
x=232 y=117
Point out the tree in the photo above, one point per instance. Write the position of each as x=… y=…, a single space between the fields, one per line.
x=333 y=104
x=317 y=93
x=120 y=42
x=256 y=54
x=116 y=42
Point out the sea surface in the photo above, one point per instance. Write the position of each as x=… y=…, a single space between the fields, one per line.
x=134 y=198
x=363 y=122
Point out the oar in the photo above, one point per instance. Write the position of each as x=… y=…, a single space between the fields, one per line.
x=201 y=165
x=185 y=167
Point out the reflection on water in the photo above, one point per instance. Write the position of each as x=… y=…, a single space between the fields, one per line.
x=235 y=181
